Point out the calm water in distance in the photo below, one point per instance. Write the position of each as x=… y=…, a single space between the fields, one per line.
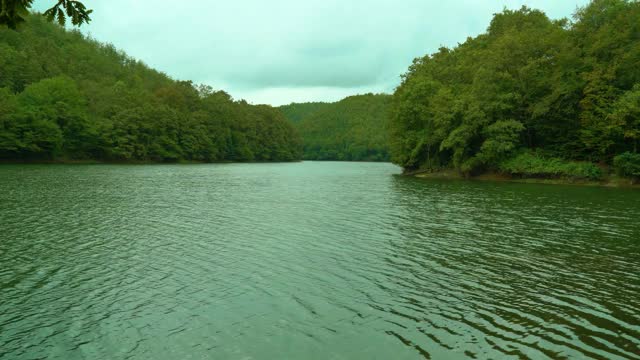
x=313 y=260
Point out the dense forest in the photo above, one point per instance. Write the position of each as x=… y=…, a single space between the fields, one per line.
x=353 y=129
x=531 y=97
x=65 y=97
x=296 y=112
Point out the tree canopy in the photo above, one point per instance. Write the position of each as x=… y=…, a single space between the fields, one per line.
x=554 y=89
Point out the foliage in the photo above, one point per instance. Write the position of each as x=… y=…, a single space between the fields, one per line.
x=625 y=116
x=353 y=129
x=64 y=96
x=71 y=9
x=568 y=89
x=14 y=12
x=296 y=112
x=627 y=164
x=529 y=164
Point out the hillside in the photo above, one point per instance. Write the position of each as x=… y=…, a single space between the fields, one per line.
x=66 y=97
x=353 y=129
x=531 y=97
x=296 y=112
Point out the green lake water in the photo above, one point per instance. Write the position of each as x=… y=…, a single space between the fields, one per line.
x=313 y=260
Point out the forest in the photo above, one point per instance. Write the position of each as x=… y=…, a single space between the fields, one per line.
x=530 y=97
x=353 y=129
x=67 y=97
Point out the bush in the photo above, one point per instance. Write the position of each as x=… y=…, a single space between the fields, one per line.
x=471 y=166
x=627 y=165
x=529 y=164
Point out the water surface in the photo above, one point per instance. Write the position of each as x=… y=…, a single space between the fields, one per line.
x=313 y=260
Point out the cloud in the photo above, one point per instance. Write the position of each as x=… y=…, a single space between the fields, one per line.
x=282 y=50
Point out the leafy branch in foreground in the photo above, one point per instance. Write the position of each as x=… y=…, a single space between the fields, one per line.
x=14 y=12
x=74 y=10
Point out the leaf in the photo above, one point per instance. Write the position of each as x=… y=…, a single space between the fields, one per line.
x=51 y=14
x=61 y=17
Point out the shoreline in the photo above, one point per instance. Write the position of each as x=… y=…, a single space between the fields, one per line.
x=98 y=162
x=611 y=181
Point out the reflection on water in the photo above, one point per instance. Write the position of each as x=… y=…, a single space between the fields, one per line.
x=311 y=260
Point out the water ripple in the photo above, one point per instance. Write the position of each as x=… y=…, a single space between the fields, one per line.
x=314 y=261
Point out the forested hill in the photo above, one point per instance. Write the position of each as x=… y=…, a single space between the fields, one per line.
x=66 y=97
x=353 y=129
x=297 y=112
x=531 y=96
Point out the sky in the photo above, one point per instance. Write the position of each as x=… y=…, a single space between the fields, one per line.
x=282 y=51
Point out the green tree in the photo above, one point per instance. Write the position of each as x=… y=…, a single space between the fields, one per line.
x=10 y=143
x=625 y=116
x=58 y=103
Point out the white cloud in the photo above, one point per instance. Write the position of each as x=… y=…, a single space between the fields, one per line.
x=290 y=50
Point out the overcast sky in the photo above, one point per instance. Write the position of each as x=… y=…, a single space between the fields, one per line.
x=282 y=51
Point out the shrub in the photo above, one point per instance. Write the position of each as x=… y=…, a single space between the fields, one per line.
x=628 y=165
x=471 y=166
x=529 y=164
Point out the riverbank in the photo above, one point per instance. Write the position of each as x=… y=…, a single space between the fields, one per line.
x=133 y=162
x=450 y=174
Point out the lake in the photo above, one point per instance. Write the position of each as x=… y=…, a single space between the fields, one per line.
x=312 y=260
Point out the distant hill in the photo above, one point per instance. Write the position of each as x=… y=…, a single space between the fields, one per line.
x=353 y=129
x=297 y=112
x=66 y=97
